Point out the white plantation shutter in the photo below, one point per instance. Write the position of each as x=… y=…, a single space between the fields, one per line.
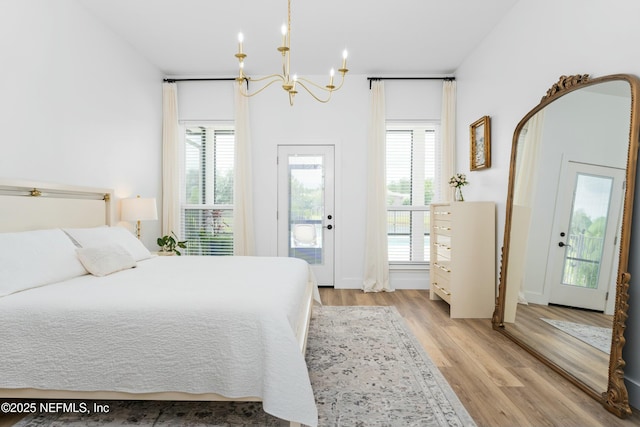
x=410 y=167
x=207 y=213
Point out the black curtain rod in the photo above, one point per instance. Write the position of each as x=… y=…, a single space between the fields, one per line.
x=197 y=80
x=204 y=79
x=408 y=78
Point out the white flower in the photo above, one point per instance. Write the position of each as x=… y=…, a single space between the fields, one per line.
x=458 y=180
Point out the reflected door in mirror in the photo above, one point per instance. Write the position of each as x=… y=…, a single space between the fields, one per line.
x=583 y=256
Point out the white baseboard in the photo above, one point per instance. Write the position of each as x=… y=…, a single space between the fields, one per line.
x=349 y=283
x=399 y=279
x=409 y=279
x=633 y=388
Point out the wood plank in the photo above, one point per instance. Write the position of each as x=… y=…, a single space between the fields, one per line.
x=581 y=359
x=481 y=358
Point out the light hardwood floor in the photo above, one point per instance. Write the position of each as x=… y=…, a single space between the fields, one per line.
x=500 y=384
x=582 y=360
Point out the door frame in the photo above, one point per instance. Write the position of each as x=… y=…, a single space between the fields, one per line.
x=555 y=259
x=281 y=221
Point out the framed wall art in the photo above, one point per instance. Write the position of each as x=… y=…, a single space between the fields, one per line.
x=480 y=143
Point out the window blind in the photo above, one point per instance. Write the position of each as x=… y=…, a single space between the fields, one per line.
x=410 y=168
x=207 y=212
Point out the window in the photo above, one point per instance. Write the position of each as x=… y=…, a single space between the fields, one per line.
x=411 y=186
x=207 y=212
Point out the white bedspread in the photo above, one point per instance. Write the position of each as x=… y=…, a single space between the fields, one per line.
x=186 y=324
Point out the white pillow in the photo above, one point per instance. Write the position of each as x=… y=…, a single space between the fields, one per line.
x=100 y=236
x=107 y=259
x=29 y=259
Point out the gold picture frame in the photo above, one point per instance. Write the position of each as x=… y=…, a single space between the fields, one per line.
x=480 y=143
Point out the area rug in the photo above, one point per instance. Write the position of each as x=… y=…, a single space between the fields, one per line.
x=366 y=369
x=595 y=336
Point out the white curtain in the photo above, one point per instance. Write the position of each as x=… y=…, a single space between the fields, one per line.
x=448 y=140
x=170 y=160
x=524 y=187
x=528 y=153
x=243 y=237
x=376 y=263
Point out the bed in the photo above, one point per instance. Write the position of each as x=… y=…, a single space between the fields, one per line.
x=141 y=326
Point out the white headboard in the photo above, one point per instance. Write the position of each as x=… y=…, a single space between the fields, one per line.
x=26 y=205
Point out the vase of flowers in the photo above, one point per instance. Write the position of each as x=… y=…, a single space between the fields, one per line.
x=458 y=181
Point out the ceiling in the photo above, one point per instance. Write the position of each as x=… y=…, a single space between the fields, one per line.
x=384 y=37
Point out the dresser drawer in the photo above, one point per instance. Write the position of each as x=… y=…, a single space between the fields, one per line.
x=441 y=279
x=441 y=212
x=440 y=286
x=442 y=245
x=442 y=294
x=442 y=266
x=442 y=227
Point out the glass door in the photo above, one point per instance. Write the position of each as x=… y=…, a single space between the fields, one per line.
x=585 y=243
x=305 y=207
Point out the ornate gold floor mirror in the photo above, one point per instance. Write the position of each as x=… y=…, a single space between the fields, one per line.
x=563 y=281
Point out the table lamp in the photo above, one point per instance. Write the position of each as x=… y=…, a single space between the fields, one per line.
x=139 y=210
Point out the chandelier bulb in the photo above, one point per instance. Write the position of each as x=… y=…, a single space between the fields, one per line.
x=343 y=70
x=240 y=40
x=283 y=29
x=330 y=86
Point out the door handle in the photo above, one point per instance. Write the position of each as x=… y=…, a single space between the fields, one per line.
x=563 y=244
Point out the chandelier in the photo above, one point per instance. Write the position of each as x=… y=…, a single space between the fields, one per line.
x=290 y=83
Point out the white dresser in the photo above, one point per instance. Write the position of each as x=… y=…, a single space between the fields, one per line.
x=463 y=260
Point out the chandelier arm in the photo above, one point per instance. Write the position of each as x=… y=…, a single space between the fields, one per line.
x=324 y=88
x=275 y=78
x=303 y=79
x=341 y=83
x=313 y=94
x=270 y=76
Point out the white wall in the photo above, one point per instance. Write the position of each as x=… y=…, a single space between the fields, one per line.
x=342 y=122
x=79 y=105
x=510 y=71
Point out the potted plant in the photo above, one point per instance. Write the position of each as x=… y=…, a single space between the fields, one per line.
x=169 y=244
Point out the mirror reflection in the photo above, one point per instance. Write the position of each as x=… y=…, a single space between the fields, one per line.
x=566 y=221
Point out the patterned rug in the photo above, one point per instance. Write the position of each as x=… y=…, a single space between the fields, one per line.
x=366 y=369
x=595 y=336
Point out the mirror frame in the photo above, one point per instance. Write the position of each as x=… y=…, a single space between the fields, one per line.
x=615 y=398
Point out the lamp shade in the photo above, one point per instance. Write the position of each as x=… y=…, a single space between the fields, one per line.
x=139 y=209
